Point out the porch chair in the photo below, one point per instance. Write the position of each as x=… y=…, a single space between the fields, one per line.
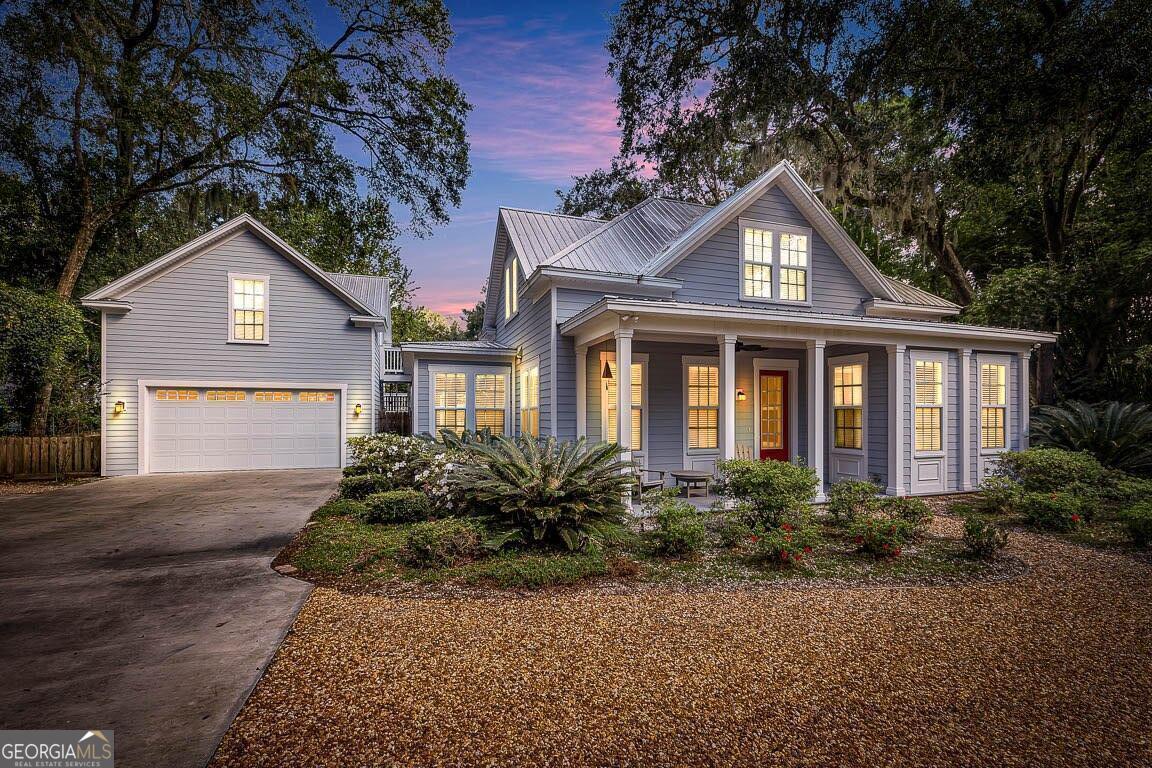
x=648 y=479
x=744 y=451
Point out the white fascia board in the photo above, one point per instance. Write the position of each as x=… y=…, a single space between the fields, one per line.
x=545 y=278
x=112 y=307
x=706 y=316
x=227 y=230
x=367 y=321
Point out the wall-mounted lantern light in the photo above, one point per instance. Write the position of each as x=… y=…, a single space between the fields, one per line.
x=357 y=410
x=119 y=408
x=741 y=395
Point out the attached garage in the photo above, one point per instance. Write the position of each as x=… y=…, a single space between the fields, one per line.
x=198 y=428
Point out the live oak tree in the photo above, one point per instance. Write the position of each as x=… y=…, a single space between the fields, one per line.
x=108 y=109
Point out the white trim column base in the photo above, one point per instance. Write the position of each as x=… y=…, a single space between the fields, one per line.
x=896 y=448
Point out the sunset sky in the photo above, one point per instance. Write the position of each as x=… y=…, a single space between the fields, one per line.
x=543 y=110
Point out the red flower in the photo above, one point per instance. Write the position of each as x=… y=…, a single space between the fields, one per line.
x=896 y=552
x=807 y=550
x=783 y=554
x=787 y=537
x=787 y=526
x=754 y=539
x=857 y=539
x=1075 y=518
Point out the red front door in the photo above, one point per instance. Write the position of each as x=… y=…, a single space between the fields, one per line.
x=774 y=415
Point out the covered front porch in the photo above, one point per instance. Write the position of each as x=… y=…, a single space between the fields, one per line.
x=834 y=393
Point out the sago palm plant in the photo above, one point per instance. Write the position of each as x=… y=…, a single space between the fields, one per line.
x=544 y=492
x=1119 y=435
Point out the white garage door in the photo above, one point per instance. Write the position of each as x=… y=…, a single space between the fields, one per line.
x=206 y=430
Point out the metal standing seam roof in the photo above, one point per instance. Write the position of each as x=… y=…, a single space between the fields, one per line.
x=370 y=289
x=537 y=236
x=481 y=346
x=910 y=294
x=629 y=242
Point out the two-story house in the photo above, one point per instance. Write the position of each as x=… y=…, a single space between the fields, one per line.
x=752 y=328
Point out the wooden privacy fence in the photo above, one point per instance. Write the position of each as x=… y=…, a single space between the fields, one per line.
x=50 y=456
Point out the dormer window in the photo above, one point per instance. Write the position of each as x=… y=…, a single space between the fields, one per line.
x=775 y=262
x=511 y=289
x=248 y=309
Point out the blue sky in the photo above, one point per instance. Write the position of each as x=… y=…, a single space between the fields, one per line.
x=543 y=110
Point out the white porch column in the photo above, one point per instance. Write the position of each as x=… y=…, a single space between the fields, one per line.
x=727 y=344
x=1025 y=397
x=816 y=412
x=896 y=450
x=624 y=391
x=964 y=392
x=581 y=392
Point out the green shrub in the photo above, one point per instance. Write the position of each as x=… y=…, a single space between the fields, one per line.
x=983 y=538
x=1119 y=435
x=355 y=470
x=341 y=508
x=1058 y=511
x=679 y=529
x=881 y=537
x=442 y=542
x=546 y=493
x=1138 y=520
x=907 y=508
x=733 y=531
x=1045 y=470
x=850 y=499
x=1124 y=490
x=998 y=495
x=774 y=491
x=784 y=546
x=518 y=570
x=401 y=506
x=359 y=487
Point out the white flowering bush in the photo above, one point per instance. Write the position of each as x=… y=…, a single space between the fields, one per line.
x=434 y=479
x=401 y=457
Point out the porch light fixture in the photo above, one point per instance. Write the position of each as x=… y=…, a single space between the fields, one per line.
x=357 y=410
x=607 y=372
x=118 y=408
x=741 y=395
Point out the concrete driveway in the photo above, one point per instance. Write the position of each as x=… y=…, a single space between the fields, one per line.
x=147 y=605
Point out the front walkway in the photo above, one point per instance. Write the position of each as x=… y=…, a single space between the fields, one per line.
x=147 y=605
x=1052 y=668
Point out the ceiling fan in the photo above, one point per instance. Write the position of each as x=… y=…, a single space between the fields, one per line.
x=742 y=347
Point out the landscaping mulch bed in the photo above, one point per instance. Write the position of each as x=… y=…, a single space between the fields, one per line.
x=10 y=487
x=1050 y=668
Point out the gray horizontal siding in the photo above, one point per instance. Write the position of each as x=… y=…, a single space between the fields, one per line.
x=178 y=330
x=711 y=273
x=531 y=330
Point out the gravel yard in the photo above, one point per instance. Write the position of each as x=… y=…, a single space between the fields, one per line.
x=1051 y=668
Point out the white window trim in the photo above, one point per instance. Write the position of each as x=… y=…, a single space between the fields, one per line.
x=861 y=452
x=686 y=361
x=942 y=358
x=232 y=278
x=776 y=230
x=511 y=288
x=521 y=370
x=470 y=372
x=642 y=359
x=792 y=368
x=1006 y=361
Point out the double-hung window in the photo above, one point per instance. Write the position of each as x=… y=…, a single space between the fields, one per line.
x=511 y=288
x=993 y=405
x=848 y=406
x=929 y=407
x=775 y=262
x=450 y=403
x=530 y=401
x=610 y=403
x=248 y=309
x=703 y=405
x=491 y=398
